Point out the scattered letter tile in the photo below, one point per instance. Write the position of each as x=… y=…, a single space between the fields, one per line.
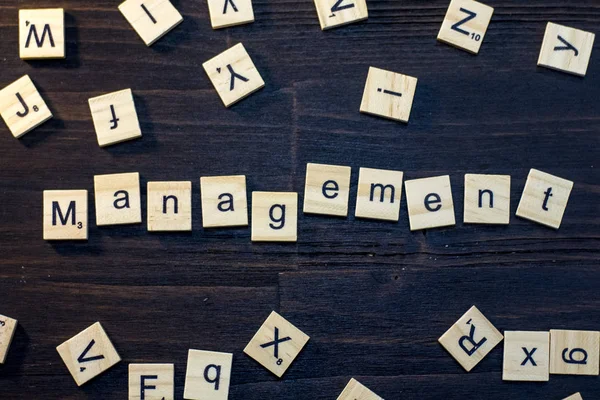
x=334 y=13
x=379 y=194
x=276 y=344
x=224 y=201
x=118 y=199
x=465 y=24
x=487 y=199
x=207 y=376
x=225 y=13
x=151 y=381
x=574 y=352
x=115 y=118
x=471 y=338
x=576 y=396
x=429 y=202
x=355 y=391
x=388 y=94
x=65 y=215
x=566 y=49
x=7 y=330
x=526 y=356
x=169 y=206
x=274 y=216
x=327 y=189
x=151 y=19
x=42 y=33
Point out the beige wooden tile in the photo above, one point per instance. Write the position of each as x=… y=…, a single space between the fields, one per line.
x=225 y=13
x=327 y=189
x=544 y=198
x=471 y=338
x=388 y=94
x=574 y=352
x=274 y=216
x=276 y=344
x=429 y=202
x=115 y=117
x=487 y=199
x=8 y=326
x=169 y=206
x=42 y=33
x=576 y=396
x=151 y=381
x=118 y=199
x=151 y=19
x=22 y=106
x=356 y=391
x=88 y=354
x=65 y=215
x=333 y=13
x=526 y=356
x=224 y=201
x=379 y=194
x=465 y=25
x=233 y=75
x=207 y=376
x=566 y=49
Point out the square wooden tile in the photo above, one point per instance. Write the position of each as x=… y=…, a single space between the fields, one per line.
x=22 y=107
x=65 y=215
x=169 y=206
x=574 y=352
x=355 y=391
x=224 y=201
x=471 y=338
x=151 y=19
x=333 y=13
x=388 y=94
x=233 y=75
x=327 y=189
x=88 y=354
x=207 y=376
x=429 y=202
x=225 y=13
x=487 y=199
x=151 y=381
x=8 y=326
x=379 y=194
x=465 y=25
x=576 y=396
x=115 y=117
x=566 y=49
x=276 y=344
x=526 y=356
x=544 y=198
x=42 y=33
x=118 y=199
x=274 y=216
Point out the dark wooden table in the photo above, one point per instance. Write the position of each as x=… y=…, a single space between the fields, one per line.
x=373 y=296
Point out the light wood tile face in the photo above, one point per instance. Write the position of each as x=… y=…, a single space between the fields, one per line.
x=471 y=338
x=465 y=25
x=151 y=19
x=224 y=201
x=115 y=117
x=429 y=202
x=42 y=33
x=65 y=215
x=544 y=198
x=276 y=344
x=208 y=375
x=327 y=189
x=118 y=199
x=169 y=206
x=22 y=107
x=8 y=327
x=379 y=194
x=356 y=391
x=333 y=13
x=576 y=396
x=151 y=381
x=574 y=352
x=274 y=216
x=388 y=94
x=487 y=199
x=526 y=356
x=233 y=75
x=88 y=354
x=566 y=49
x=225 y=13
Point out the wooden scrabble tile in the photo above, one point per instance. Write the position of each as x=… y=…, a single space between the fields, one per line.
x=118 y=199
x=333 y=13
x=207 y=376
x=471 y=338
x=526 y=356
x=169 y=206
x=544 y=198
x=487 y=199
x=42 y=33
x=8 y=326
x=576 y=396
x=151 y=19
x=388 y=94
x=22 y=107
x=276 y=344
x=355 y=391
x=88 y=354
x=224 y=201
x=233 y=74
x=274 y=216
x=151 y=381
x=327 y=189
x=379 y=194
x=566 y=49
x=574 y=352
x=225 y=13
x=429 y=202
x=465 y=24
x=65 y=215
x=115 y=118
